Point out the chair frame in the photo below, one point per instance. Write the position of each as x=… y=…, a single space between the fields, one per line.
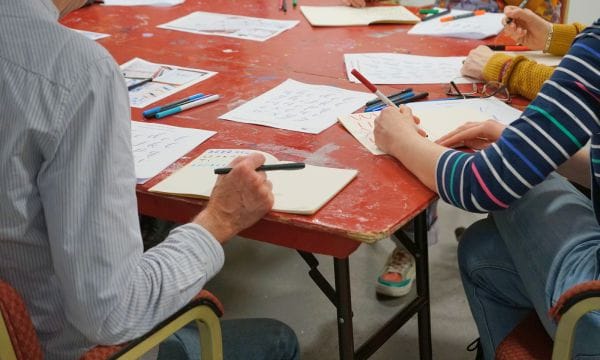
x=575 y=308
x=206 y=315
x=5 y=342
x=203 y=310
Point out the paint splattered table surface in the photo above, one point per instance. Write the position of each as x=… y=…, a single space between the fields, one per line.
x=383 y=197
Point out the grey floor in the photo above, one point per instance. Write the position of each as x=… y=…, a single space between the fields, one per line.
x=263 y=280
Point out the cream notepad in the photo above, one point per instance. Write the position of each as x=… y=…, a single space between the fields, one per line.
x=437 y=120
x=302 y=191
x=349 y=16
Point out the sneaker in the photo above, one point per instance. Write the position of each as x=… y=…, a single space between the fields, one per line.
x=398 y=275
x=476 y=346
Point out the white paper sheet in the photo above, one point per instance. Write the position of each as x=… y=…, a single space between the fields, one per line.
x=167 y=80
x=475 y=27
x=92 y=35
x=299 y=107
x=156 y=146
x=496 y=109
x=389 y=68
x=142 y=2
x=437 y=118
x=241 y=27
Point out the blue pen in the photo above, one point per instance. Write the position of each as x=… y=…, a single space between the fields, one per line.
x=177 y=109
x=150 y=113
x=380 y=106
x=405 y=100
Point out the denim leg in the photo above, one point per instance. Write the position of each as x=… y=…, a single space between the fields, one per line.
x=248 y=339
x=553 y=239
x=496 y=295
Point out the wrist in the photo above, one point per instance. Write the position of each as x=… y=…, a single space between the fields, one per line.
x=496 y=67
x=217 y=225
x=548 y=42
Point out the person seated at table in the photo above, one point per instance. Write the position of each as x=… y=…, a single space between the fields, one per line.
x=548 y=9
x=70 y=241
x=542 y=236
x=521 y=75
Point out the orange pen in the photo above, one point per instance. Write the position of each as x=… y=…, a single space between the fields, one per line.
x=462 y=16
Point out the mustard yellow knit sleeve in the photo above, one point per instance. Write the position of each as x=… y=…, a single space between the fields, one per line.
x=562 y=37
x=522 y=76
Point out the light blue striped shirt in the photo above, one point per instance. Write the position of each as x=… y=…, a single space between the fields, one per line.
x=69 y=235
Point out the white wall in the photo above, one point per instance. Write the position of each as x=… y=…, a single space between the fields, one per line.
x=583 y=11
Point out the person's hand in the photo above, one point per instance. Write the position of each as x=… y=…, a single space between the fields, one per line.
x=238 y=200
x=475 y=135
x=526 y=27
x=357 y=3
x=392 y=125
x=476 y=61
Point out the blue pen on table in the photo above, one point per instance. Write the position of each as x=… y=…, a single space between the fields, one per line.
x=395 y=100
x=193 y=104
x=415 y=97
x=391 y=97
x=151 y=112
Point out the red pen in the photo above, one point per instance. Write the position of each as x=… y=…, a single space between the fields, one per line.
x=462 y=16
x=372 y=88
x=508 y=47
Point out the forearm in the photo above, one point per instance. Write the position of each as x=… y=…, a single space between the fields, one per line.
x=522 y=76
x=419 y=155
x=562 y=37
x=577 y=168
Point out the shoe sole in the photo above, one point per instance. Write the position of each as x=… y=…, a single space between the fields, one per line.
x=396 y=291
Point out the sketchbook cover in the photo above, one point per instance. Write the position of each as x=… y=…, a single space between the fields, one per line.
x=348 y=16
x=302 y=191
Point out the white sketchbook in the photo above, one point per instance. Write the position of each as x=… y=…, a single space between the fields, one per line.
x=390 y=68
x=475 y=27
x=235 y=26
x=437 y=118
x=349 y=16
x=296 y=106
x=302 y=191
x=156 y=146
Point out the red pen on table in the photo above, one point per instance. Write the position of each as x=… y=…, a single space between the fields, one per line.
x=384 y=99
x=508 y=47
x=462 y=16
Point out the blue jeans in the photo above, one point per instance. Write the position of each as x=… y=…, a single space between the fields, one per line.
x=525 y=257
x=248 y=339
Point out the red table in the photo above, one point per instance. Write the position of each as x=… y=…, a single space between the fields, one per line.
x=382 y=198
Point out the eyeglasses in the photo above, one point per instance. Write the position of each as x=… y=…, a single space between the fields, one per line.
x=477 y=90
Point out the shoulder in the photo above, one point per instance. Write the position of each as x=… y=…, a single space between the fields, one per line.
x=75 y=56
x=51 y=52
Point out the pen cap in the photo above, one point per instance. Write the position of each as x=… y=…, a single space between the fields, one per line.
x=363 y=80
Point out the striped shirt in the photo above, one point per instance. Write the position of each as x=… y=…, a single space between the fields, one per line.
x=557 y=123
x=70 y=241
